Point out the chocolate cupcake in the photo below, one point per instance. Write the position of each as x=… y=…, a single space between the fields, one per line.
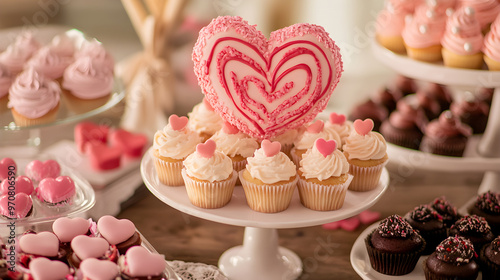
x=475 y=228
x=490 y=259
x=405 y=85
x=394 y=247
x=452 y=259
x=446 y=136
x=429 y=225
x=440 y=93
x=486 y=95
x=447 y=211
x=472 y=112
x=430 y=106
x=369 y=110
x=387 y=98
x=487 y=205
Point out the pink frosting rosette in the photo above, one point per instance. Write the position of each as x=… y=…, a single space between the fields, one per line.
x=463 y=32
x=426 y=28
x=486 y=10
x=48 y=63
x=86 y=80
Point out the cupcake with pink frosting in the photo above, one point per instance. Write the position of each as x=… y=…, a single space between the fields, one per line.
x=6 y=80
x=486 y=11
x=204 y=120
x=390 y=23
x=491 y=47
x=34 y=99
x=19 y=52
x=463 y=40
x=209 y=176
x=48 y=63
x=100 y=56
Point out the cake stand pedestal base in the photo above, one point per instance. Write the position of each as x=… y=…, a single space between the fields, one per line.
x=260 y=257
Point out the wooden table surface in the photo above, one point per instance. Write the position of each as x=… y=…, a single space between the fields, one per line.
x=324 y=253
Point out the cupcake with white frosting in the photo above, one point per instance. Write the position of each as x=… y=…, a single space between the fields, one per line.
x=269 y=179
x=204 y=120
x=209 y=176
x=342 y=126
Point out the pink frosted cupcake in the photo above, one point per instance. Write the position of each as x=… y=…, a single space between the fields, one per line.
x=6 y=80
x=389 y=26
x=64 y=45
x=17 y=53
x=209 y=176
x=204 y=120
x=491 y=47
x=366 y=152
x=486 y=11
x=323 y=177
x=269 y=179
x=463 y=40
x=48 y=63
x=306 y=140
x=171 y=146
x=340 y=124
x=33 y=99
x=95 y=50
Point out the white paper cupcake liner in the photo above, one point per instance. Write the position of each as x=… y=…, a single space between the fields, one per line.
x=209 y=195
x=365 y=178
x=169 y=173
x=268 y=198
x=323 y=197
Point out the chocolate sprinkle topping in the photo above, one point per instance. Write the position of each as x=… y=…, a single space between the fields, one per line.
x=395 y=226
x=424 y=213
x=472 y=224
x=488 y=202
x=495 y=245
x=456 y=250
x=443 y=207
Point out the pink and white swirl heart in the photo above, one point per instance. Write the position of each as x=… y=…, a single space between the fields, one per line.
x=264 y=87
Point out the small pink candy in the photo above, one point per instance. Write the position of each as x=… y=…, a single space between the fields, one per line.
x=337 y=118
x=143 y=263
x=44 y=243
x=369 y=217
x=98 y=269
x=115 y=230
x=363 y=127
x=67 y=228
x=131 y=144
x=23 y=205
x=271 y=148
x=177 y=123
x=206 y=149
x=38 y=170
x=22 y=184
x=350 y=224
x=89 y=247
x=103 y=157
x=43 y=268
x=229 y=129
x=326 y=148
x=56 y=190
x=7 y=164
x=331 y=226
x=316 y=127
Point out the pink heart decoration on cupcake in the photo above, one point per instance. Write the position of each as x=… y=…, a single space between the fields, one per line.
x=337 y=118
x=206 y=149
x=325 y=148
x=56 y=190
x=23 y=205
x=229 y=129
x=265 y=87
x=131 y=144
x=38 y=170
x=7 y=164
x=85 y=132
x=98 y=269
x=177 y=123
x=270 y=148
x=44 y=243
x=45 y=269
x=142 y=263
x=102 y=157
x=89 y=247
x=67 y=228
x=207 y=104
x=316 y=127
x=22 y=184
x=115 y=230
x=363 y=127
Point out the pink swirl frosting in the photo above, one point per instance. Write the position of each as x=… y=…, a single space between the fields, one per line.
x=491 y=47
x=5 y=80
x=486 y=10
x=95 y=50
x=63 y=45
x=32 y=95
x=19 y=52
x=48 y=63
x=426 y=27
x=463 y=33
x=86 y=80
x=447 y=125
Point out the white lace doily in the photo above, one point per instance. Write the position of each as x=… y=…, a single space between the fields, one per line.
x=196 y=271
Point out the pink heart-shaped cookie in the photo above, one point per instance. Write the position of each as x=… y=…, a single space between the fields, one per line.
x=102 y=157
x=369 y=217
x=265 y=87
x=85 y=132
x=99 y=269
x=18 y=208
x=22 y=184
x=143 y=263
x=89 y=247
x=363 y=127
x=115 y=230
x=131 y=144
x=270 y=148
x=206 y=149
x=45 y=269
x=337 y=118
x=177 y=123
x=325 y=148
x=229 y=129
x=67 y=228
x=38 y=170
x=56 y=190
x=316 y=127
x=44 y=243
x=7 y=165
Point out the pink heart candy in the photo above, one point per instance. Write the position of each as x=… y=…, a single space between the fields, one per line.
x=177 y=123
x=67 y=228
x=206 y=149
x=115 y=230
x=6 y=165
x=331 y=226
x=22 y=184
x=229 y=129
x=350 y=224
x=337 y=118
x=265 y=87
x=316 y=127
x=369 y=217
x=207 y=104
x=143 y=263
x=98 y=269
x=326 y=148
x=89 y=247
x=56 y=190
x=17 y=208
x=85 y=132
x=44 y=243
x=45 y=269
x=131 y=144
x=38 y=170
x=363 y=127
x=102 y=157
x=270 y=148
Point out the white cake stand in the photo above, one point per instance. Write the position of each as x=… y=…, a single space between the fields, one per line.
x=259 y=257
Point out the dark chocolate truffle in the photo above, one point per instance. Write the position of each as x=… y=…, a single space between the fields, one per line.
x=487 y=205
x=429 y=225
x=475 y=228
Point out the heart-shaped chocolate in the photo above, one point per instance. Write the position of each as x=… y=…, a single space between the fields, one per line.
x=206 y=149
x=98 y=269
x=67 y=228
x=143 y=263
x=56 y=190
x=103 y=157
x=85 y=132
x=363 y=127
x=337 y=118
x=270 y=148
x=115 y=230
x=45 y=269
x=177 y=123
x=18 y=208
x=38 y=170
x=131 y=144
x=22 y=184
x=265 y=87
x=325 y=148
x=89 y=247
x=44 y=243
x=6 y=165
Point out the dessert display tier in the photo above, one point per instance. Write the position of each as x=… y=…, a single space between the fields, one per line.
x=259 y=257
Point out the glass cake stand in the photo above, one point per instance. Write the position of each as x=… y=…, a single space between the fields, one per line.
x=259 y=257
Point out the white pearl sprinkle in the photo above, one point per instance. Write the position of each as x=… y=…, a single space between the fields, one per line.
x=449 y=12
x=469 y=11
x=468 y=47
x=455 y=29
x=429 y=14
x=423 y=29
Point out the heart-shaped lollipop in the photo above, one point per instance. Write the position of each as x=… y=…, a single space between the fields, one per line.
x=337 y=118
x=98 y=269
x=206 y=149
x=270 y=148
x=115 y=230
x=177 y=123
x=141 y=262
x=265 y=87
x=43 y=268
x=326 y=148
x=38 y=170
x=363 y=127
x=67 y=228
x=89 y=247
